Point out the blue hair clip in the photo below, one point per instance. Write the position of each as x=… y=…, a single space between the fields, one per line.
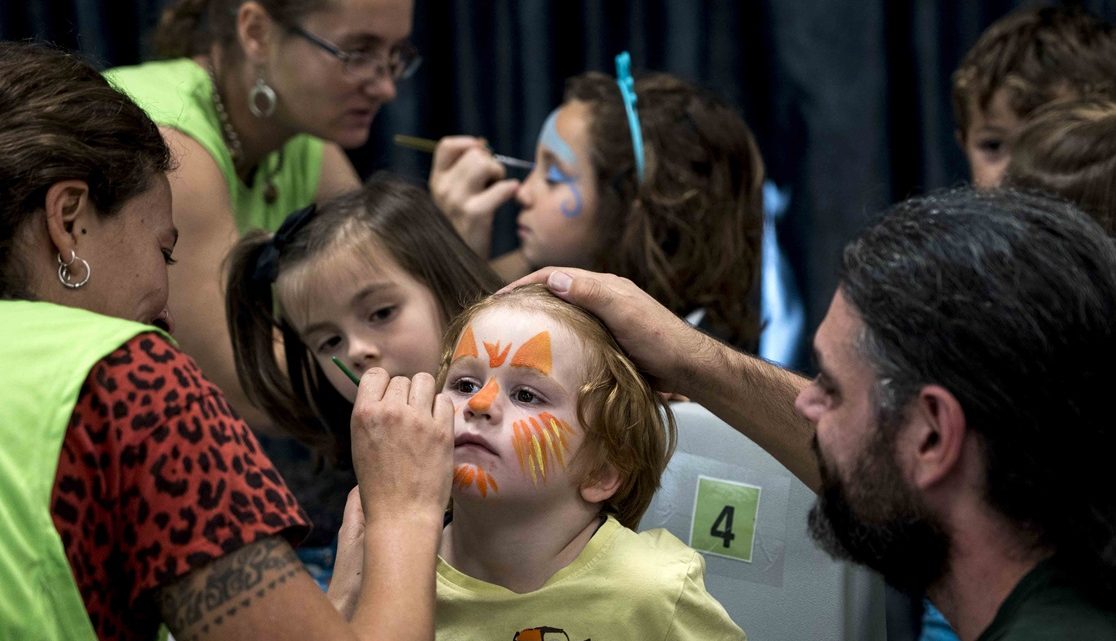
x=627 y=92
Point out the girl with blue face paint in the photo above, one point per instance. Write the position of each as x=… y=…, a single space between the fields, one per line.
x=682 y=218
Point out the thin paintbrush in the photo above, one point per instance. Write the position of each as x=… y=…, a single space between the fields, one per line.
x=428 y=145
x=352 y=377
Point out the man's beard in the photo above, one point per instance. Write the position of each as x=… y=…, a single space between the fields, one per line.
x=878 y=521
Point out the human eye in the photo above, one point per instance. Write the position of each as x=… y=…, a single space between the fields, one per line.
x=825 y=384
x=527 y=396
x=555 y=175
x=327 y=345
x=991 y=146
x=465 y=385
x=381 y=314
x=168 y=258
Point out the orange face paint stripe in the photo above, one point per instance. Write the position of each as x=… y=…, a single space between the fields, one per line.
x=519 y=439
x=482 y=400
x=496 y=358
x=466 y=345
x=534 y=354
x=466 y=474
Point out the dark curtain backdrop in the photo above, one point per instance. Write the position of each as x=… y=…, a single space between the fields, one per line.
x=849 y=99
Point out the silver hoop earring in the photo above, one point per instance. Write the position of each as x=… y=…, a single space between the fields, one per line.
x=262 y=98
x=64 y=271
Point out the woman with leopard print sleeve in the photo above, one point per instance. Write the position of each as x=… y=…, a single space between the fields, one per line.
x=131 y=494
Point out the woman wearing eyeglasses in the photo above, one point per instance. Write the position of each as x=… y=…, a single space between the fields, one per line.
x=256 y=100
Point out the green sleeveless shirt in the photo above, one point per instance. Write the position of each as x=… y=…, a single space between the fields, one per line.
x=46 y=353
x=178 y=94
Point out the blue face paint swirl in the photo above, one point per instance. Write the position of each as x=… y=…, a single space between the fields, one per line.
x=550 y=139
x=556 y=175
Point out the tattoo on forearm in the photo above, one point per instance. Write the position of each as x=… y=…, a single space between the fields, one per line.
x=197 y=604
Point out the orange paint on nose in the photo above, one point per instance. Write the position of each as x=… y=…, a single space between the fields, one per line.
x=496 y=357
x=482 y=400
x=534 y=354
x=466 y=345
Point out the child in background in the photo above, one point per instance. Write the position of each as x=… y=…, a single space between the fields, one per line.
x=559 y=446
x=1027 y=59
x=666 y=193
x=372 y=277
x=1069 y=149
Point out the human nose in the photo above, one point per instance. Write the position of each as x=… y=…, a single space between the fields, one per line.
x=363 y=353
x=381 y=84
x=485 y=404
x=524 y=194
x=810 y=402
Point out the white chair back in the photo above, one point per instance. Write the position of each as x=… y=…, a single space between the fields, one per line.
x=727 y=497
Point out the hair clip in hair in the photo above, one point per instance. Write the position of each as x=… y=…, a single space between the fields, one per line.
x=627 y=92
x=267 y=265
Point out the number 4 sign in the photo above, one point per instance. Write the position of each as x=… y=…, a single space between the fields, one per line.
x=724 y=520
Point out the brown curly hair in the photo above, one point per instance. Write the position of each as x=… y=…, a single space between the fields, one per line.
x=628 y=427
x=1069 y=149
x=1038 y=54
x=689 y=234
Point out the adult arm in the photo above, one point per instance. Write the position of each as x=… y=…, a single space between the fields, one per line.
x=207 y=230
x=338 y=176
x=402 y=450
x=468 y=185
x=752 y=395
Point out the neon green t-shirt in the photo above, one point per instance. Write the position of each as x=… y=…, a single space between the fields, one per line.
x=46 y=352
x=178 y=94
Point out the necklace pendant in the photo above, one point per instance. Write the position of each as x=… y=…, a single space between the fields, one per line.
x=270 y=193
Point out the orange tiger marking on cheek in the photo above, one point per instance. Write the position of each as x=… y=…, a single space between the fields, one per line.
x=466 y=475
x=538 y=440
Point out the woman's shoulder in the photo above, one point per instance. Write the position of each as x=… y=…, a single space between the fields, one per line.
x=158 y=81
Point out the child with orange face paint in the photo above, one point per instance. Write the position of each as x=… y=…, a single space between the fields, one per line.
x=559 y=447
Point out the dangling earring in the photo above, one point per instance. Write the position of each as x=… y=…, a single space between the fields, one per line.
x=64 y=271
x=261 y=99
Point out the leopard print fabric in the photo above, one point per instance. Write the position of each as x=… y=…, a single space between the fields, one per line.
x=157 y=476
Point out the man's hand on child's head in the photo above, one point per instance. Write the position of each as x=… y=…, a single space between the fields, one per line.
x=662 y=344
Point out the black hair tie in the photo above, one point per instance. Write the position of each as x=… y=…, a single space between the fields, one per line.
x=267 y=265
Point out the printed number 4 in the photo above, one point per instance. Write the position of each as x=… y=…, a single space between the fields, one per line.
x=724 y=519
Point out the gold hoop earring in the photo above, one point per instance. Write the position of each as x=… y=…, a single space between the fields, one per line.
x=64 y=271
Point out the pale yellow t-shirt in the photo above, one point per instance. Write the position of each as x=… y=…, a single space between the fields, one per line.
x=623 y=586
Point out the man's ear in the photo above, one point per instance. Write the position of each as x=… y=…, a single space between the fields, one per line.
x=68 y=211
x=254 y=29
x=935 y=435
x=601 y=485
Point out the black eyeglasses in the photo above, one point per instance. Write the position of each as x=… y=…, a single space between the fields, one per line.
x=400 y=63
